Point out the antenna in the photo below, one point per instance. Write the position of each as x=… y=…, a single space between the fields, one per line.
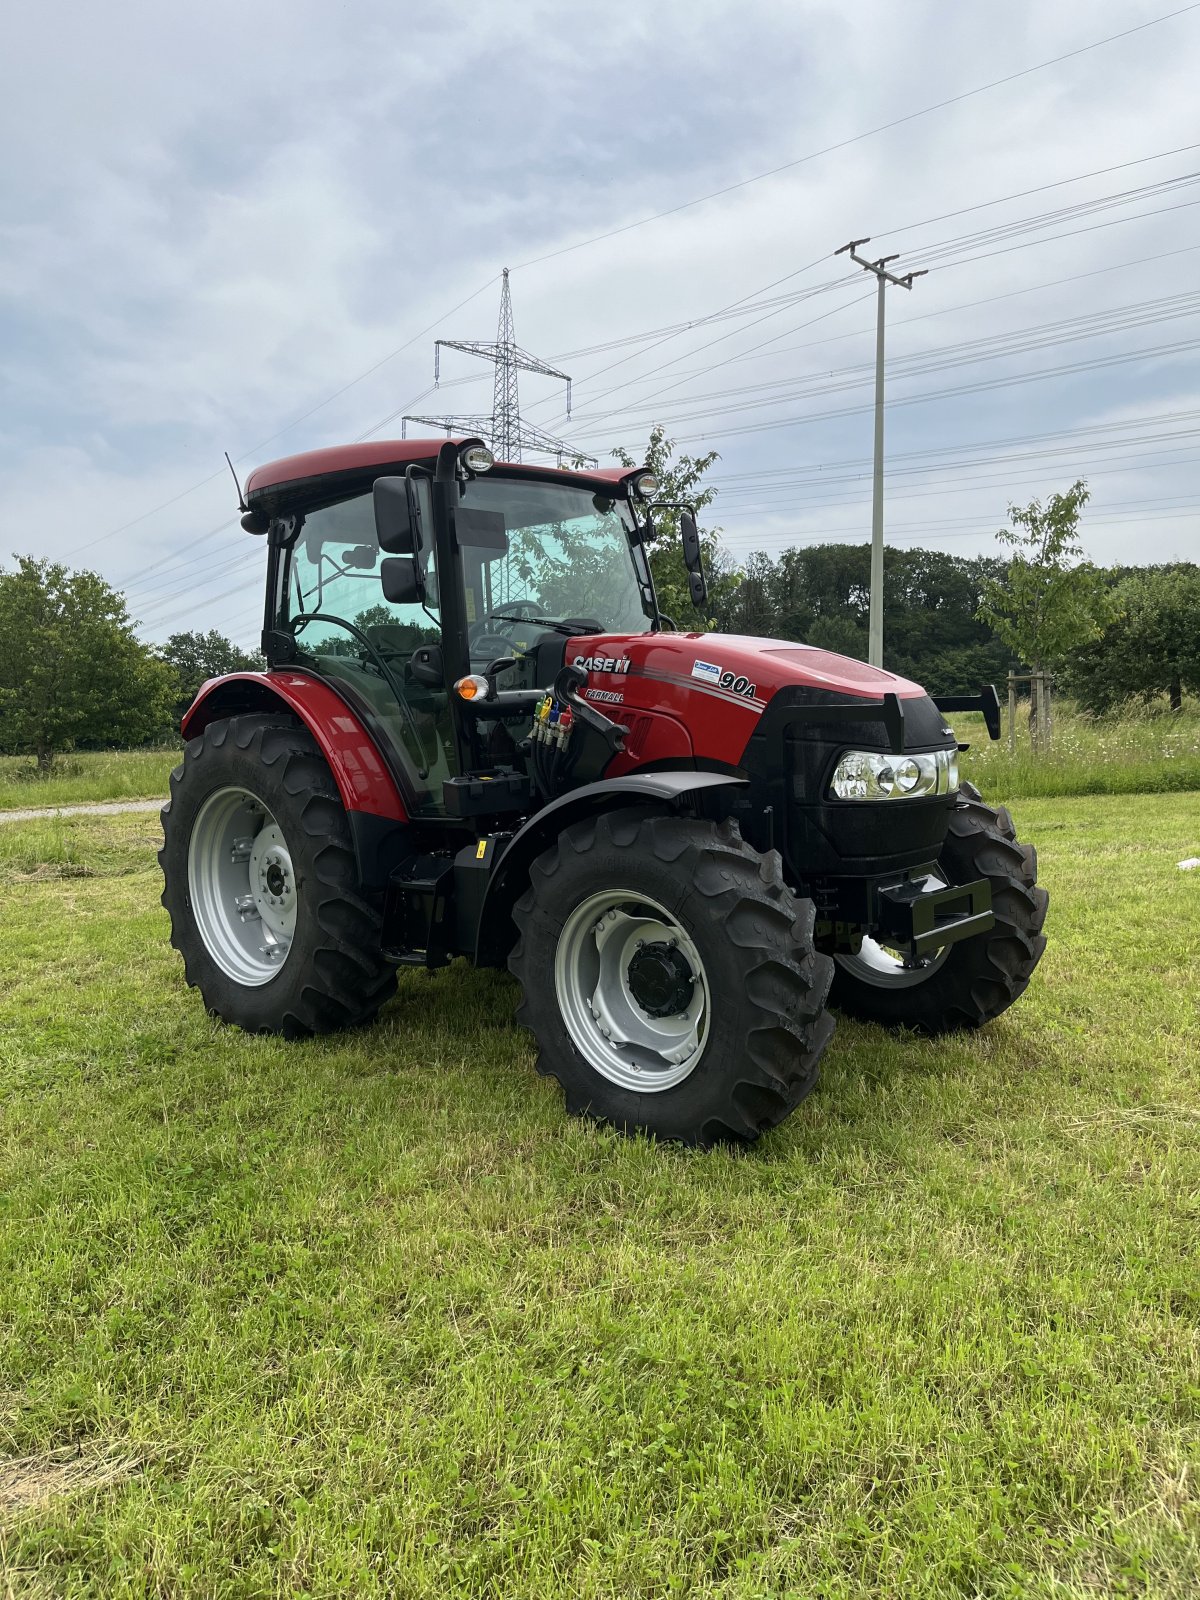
x=242 y=506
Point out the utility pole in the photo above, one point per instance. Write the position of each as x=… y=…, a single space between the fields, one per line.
x=883 y=277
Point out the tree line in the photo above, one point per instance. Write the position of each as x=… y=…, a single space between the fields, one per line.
x=74 y=674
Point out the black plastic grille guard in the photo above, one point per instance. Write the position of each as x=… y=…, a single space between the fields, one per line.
x=922 y=920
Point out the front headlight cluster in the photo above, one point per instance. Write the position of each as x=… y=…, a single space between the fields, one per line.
x=868 y=775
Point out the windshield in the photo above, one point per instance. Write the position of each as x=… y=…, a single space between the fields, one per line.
x=568 y=556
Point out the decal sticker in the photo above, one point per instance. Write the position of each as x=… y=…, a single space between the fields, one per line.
x=619 y=664
x=609 y=696
x=739 y=685
x=709 y=672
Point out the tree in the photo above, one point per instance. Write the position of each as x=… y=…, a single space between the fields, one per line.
x=682 y=478
x=196 y=657
x=71 y=668
x=1151 y=647
x=1049 y=602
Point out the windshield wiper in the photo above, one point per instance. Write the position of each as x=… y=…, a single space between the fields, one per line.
x=571 y=629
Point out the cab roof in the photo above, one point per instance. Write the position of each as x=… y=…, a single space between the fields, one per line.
x=294 y=477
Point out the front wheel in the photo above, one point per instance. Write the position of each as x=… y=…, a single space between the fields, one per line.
x=966 y=984
x=670 y=979
x=260 y=882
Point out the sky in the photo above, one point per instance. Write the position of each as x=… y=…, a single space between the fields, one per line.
x=241 y=227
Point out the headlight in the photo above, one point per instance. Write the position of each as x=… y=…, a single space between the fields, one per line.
x=868 y=775
x=644 y=485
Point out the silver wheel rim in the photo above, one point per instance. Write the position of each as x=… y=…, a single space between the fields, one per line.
x=884 y=968
x=605 y=937
x=242 y=886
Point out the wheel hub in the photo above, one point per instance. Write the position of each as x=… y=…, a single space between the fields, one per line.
x=242 y=885
x=661 y=980
x=632 y=990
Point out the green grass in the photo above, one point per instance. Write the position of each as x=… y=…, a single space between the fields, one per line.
x=88 y=776
x=369 y=1316
x=1134 y=752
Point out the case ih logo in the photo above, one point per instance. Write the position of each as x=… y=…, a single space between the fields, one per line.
x=618 y=664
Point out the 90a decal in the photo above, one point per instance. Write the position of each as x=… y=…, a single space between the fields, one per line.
x=739 y=685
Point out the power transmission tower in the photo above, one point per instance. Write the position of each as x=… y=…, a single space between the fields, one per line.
x=883 y=277
x=504 y=430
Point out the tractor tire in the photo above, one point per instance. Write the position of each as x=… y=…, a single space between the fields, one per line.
x=669 y=978
x=968 y=983
x=261 y=884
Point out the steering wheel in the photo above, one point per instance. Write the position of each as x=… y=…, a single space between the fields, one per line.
x=516 y=611
x=486 y=637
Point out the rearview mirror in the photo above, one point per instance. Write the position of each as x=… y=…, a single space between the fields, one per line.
x=402 y=585
x=396 y=527
x=693 y=558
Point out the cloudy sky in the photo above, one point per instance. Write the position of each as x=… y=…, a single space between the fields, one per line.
x=242 y=226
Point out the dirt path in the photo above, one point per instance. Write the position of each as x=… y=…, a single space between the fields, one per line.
x=110 y=808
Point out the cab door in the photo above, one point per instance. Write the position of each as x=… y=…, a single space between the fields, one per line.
x=346 y=631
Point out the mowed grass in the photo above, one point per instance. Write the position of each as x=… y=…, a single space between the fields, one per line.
x=89 y=775
x=367 y=1315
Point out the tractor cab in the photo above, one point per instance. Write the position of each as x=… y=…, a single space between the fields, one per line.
x=439 y=594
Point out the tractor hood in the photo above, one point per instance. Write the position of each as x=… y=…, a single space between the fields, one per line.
x=701 y=694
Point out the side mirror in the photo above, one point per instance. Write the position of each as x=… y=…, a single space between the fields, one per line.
x=397 y=518
x=693 y=559
x=402 y=584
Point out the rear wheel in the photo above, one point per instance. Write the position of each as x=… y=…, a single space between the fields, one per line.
x=670 y=979
x=966 y=984
x=260 y=881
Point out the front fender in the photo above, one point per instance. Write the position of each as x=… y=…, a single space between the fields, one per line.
x=672 y=791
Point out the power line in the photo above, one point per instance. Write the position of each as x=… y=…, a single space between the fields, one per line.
x=939 y=311
x=295 y=422
x=1063 y=370
x=869 y=133
x=969 y=352
x=1016 y=227
x=660 y=335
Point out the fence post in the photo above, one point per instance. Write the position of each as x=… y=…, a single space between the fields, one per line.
x=1012 y=712
x=1046 y=711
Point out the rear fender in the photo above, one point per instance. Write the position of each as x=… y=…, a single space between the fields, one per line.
x=374 y=805
x=699 y=792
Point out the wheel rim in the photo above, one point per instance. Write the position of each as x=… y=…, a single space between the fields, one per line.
x=632 y=990
x=242 y=886
x=884 y=968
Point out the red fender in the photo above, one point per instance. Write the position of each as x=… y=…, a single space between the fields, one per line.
x=361 y=774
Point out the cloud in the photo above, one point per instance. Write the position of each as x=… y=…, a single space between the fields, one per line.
x=213 y=219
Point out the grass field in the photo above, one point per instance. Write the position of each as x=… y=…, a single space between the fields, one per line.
x=368 y=1316
x=1134 y=753
x=90 y=775
x=1126 y=753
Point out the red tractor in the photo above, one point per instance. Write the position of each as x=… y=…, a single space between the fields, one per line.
x=478 y=736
